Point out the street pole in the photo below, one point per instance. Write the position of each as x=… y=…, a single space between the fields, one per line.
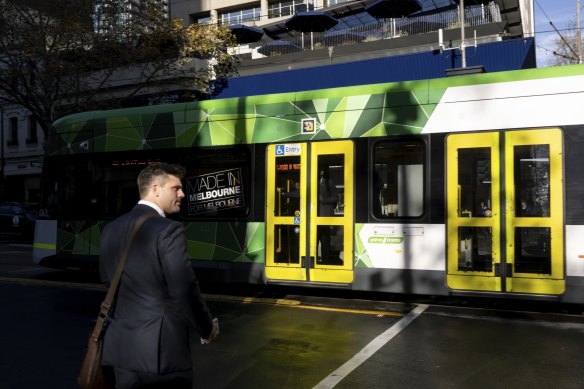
x=2 y=161
x=462 y=43
x=578 y=31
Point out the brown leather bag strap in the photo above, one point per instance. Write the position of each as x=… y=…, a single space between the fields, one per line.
x=111 y=293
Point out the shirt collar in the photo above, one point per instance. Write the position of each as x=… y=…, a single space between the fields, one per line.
x=152 y=205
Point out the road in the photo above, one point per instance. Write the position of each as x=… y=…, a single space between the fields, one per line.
x=274 y=338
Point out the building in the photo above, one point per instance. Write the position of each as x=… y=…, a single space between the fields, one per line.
x=21 y=151
x=371 y=40
x=362 y=47
x=21 y=138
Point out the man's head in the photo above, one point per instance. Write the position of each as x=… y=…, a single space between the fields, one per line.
x=160 y=183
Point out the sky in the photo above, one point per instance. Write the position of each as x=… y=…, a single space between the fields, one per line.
x=560 y=12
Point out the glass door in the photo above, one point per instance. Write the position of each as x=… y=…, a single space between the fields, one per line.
x=473 y=219
x=309 y=219
x=535 y=211
x=505 y=212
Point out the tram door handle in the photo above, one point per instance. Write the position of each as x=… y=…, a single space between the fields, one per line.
x=311 y=261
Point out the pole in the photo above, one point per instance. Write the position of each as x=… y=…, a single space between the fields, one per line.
x=2 y=161
x=578 y=31
x=462 y=43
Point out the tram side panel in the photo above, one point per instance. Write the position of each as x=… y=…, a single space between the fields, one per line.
x=574 y=184
x=399 y=248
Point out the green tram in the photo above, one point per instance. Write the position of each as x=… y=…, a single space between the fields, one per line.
x=463 y=185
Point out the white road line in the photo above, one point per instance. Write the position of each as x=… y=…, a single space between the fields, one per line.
x=336 y=376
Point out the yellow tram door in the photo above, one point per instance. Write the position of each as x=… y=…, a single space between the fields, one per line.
x=473 y=212
x=309 y=212
x=535 y=211
x=505 y=212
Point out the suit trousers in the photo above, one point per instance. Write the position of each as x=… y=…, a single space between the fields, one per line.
x=128 y=379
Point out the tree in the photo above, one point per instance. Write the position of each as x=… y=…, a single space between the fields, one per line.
x=66 y=56
x=565 y=46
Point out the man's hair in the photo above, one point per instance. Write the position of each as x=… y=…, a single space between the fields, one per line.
x=157 y=170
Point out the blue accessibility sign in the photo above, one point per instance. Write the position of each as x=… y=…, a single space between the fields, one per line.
x=296 y=220
x=289 y=149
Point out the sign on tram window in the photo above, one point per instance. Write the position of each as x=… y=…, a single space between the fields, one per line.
x=216 y=191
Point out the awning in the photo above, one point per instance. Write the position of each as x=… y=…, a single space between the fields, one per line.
x=383 y=9
x=278 y=48
x=311 y=21
x=246 y=34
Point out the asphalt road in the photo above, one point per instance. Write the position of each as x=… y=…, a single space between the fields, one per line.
x=278 y=339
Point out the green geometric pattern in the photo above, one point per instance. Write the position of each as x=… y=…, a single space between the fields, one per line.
x=351 y=112
x=264 y=119
x=212 y=241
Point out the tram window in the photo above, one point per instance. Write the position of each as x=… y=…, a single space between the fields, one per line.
x=287 y=186
x=474 y=182
x=286 y=244
x=398 y=179
x=532 y=250
x=217 y=183
x=331 y=185
x=96 y=187
x=532 y=180
x=475 y=249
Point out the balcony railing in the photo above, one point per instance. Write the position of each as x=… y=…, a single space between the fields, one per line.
x=387 y=29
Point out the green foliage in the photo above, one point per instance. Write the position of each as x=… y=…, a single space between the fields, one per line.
x=66 y=56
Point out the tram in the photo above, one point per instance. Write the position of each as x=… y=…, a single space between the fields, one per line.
x=461 y=185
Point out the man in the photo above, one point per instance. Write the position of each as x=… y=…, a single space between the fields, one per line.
x=158 y=301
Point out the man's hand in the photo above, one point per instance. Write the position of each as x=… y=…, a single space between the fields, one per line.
x=213 y=334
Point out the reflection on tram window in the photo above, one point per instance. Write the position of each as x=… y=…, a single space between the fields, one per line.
x=330 y=245
x=398 y=179
x=286 y=244
x=475 y=249
x=331 y=185
x=287 y=186
x=532 y=250
x=532 y=180
x=474 y=182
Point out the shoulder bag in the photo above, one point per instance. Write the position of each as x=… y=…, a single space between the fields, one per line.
x=92 y=375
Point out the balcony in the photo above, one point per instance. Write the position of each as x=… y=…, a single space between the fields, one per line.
x=382 y=30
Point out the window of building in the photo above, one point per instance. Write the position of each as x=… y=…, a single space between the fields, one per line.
x=290 y=7
x=240 y=15
x=13 y=132
x=335 y=2
x=200 y=19
x=398 y=179
x=32 y=131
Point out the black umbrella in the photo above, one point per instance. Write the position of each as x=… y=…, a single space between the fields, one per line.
x=278 y=48
x=246 y=34
x=311 y=21
x=383 y=9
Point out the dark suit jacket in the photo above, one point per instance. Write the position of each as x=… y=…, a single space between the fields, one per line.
x=158 y=300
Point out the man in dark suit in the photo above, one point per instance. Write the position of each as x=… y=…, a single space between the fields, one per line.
x=159 y=301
